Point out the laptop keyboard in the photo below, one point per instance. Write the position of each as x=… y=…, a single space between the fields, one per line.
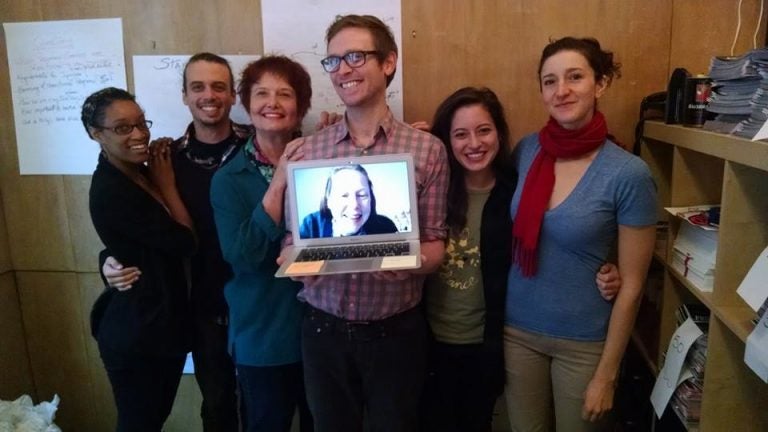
x=354 y=251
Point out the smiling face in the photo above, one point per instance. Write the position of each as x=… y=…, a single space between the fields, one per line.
x=474 y=138
x=273 y=105
x=569 y=89
x=209 y=93
x=367 y=84
x=349 y=201
x=123 y=150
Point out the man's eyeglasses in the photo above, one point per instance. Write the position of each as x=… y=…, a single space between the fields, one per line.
x=128 y=128
x=354 y=59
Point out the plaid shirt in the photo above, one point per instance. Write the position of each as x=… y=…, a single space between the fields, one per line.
x=359 y=296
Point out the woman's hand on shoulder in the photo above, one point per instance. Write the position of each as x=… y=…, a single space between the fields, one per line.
x=160 y=164
x=421 y=125
x=327 y=119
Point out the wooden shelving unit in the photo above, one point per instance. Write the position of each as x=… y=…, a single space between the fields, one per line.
x=694 y=167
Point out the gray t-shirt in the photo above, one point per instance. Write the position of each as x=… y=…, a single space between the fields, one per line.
x=562 y=299
x=454 y=294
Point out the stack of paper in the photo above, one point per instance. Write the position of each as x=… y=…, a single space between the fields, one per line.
x=694 y=255
x=759 y=102
x=686 y=402
x=735 y=81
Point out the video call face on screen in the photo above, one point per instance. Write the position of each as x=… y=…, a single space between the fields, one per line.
x=353 y=200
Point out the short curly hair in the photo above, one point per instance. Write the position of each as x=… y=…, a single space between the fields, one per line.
x=95 y=105
x=280 y=66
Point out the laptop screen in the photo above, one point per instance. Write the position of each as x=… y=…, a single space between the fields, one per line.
x=360 y=197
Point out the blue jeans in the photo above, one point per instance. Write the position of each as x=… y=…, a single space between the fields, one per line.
x=364 y=372
x=271 y=395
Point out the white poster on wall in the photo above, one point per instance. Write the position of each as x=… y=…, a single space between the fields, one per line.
x=54 y=66
x=281 y=20
x=158 y=80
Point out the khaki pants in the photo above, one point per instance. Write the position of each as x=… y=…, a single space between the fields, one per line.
x=546 y=379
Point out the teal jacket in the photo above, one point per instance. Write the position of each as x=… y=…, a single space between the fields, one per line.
x=264 y=314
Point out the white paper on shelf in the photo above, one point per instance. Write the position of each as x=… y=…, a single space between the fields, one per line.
x=685 y=375
x=762 y=133
x=669 y=375
x=754 y=288
x=756 y=349
x=682 y=213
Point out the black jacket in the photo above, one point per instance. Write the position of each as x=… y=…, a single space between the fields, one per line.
x=149 y=318
x=496 y=257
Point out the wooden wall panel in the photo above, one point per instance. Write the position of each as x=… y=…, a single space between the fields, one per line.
x=447 y=45
x=85 y=243
x=52 y=314
x=96 y=386
x=6 y=265
x=15 y=370
x=38 y=225
x=701 y=30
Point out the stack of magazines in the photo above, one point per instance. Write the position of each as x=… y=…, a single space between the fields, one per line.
x=735 y=81
x=759 y=102
x=686 y=401
x=694 y=255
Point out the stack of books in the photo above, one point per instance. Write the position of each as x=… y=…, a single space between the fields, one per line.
x=759 y=103
x=735 y=82
x=686 y=401
x=694 y=255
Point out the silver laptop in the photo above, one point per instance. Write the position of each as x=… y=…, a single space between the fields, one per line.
x=351 y=215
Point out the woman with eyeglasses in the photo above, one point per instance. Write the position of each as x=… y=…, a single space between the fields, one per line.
x=140 y=218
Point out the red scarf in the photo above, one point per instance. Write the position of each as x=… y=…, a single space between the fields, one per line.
x=556 y=142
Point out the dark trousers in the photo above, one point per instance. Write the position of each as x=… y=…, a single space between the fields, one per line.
x=144 y=391
x=215 y=374
x=370 y=369
x=463 y=383
x=271 y=395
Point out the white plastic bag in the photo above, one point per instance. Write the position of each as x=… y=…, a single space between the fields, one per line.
x=22 y=415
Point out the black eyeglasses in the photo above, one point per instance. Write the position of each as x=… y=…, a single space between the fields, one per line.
x=354 y=59
x=128 y=128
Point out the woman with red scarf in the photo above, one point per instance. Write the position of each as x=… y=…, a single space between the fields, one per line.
x=579 y=197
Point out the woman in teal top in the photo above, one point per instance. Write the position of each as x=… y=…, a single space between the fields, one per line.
x=247 y=198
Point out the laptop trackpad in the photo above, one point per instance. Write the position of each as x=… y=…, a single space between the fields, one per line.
x=350 y=266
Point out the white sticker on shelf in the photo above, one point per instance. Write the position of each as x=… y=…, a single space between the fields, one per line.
x=756 y=349
x=753 y=288
x=669 y=375
x=762 y=133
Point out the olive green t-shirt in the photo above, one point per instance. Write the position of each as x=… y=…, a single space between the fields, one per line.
x=454 y=294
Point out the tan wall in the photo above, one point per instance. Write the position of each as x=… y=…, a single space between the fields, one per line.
x=15 y=371
x=44 y=301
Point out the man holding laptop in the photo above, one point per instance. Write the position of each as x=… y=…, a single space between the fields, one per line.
x=364 y=338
